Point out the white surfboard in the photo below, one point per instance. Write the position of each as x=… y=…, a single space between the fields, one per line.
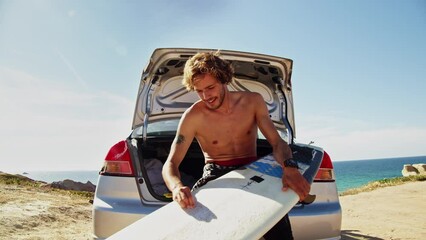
x=243 y=204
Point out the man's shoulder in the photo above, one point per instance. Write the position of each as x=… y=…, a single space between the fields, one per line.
x=194 y=109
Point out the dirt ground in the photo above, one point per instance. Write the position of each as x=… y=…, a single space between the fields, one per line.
x=389 y=213
x=29 y=213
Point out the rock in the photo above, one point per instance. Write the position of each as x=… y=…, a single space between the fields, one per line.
x=68 y=184
x=421 y=167
x=412 y=170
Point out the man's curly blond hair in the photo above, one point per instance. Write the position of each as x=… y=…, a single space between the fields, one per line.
x=206 y=63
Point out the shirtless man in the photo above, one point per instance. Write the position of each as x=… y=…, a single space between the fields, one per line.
x=225 y=125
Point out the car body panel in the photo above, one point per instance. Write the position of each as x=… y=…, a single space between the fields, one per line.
x=324 y=218
x=116 y=204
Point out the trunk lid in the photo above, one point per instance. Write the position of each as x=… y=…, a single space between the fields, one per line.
x=162 y=96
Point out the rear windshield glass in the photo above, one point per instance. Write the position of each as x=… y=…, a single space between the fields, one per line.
x=169 y=127
x=164 y=127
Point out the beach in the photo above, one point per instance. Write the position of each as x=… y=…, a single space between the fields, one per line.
x=396 y=212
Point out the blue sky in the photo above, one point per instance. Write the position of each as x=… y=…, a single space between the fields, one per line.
x=70 y=70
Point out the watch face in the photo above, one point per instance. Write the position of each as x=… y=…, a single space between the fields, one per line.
x=290 y=163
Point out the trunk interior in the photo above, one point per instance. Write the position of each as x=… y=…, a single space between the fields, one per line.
x=154 y=152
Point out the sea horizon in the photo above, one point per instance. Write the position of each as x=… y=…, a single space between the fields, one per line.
x=349 y=173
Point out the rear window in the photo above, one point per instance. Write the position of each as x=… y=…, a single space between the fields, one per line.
x=169 y=127
x=158 y=128
x=164 y=127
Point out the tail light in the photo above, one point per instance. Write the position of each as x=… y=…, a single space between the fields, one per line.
x=326 y=171
x=117 y=161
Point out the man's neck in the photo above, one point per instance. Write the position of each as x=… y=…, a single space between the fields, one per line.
x=226 y=106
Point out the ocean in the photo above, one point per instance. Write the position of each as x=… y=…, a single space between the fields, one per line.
x=353 y=174
x=349 y=174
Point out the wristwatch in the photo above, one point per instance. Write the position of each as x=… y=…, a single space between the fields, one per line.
x=290 y=163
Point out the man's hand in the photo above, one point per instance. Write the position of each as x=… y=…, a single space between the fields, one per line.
x=294 y=180
x=183 y=196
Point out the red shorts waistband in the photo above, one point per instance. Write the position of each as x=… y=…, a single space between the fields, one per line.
x=236 y=161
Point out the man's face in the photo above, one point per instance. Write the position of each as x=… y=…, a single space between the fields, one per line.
x=210 y=90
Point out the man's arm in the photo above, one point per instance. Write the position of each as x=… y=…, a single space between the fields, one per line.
x=281 y=151
x=171 y=175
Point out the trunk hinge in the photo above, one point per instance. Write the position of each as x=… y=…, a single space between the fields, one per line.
x=283 y=111
x=147 y=110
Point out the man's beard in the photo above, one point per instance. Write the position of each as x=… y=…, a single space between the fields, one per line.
x=221 y=98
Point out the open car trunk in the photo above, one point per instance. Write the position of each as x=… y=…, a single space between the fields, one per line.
x=153 y=153
x=162 y=99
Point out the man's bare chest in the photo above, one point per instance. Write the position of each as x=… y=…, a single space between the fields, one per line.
x=227 y=126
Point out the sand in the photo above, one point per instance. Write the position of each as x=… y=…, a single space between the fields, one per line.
x=397 y=212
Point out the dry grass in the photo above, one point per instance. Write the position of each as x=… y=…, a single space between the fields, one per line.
x=22 y=181
x=387 y=182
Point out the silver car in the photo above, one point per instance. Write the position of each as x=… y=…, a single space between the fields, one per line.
x=130 y=184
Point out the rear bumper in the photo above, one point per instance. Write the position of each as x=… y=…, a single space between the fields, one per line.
x=318 y=224
x=106 y=223
x=320 y=220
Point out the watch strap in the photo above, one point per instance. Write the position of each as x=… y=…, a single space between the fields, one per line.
x=290 y=163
